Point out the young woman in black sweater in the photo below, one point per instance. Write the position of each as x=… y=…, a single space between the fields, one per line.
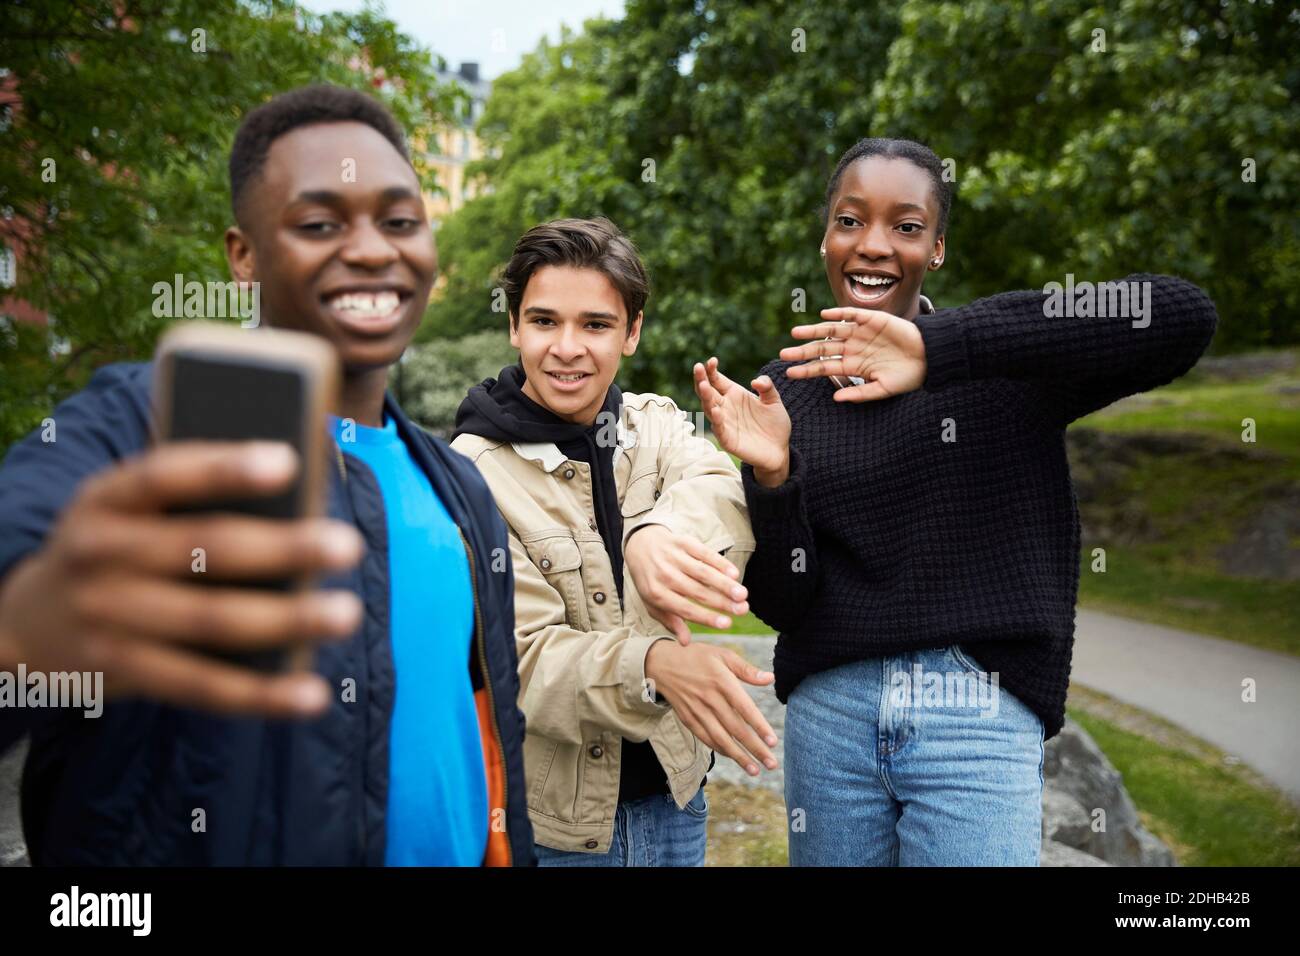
x=918 y=538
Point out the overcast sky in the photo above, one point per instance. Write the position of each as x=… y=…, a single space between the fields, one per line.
x=494 y=33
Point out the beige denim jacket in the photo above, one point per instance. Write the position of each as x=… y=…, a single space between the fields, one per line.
x=582 y=684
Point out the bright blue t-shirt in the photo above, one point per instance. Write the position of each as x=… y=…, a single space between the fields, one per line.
x=437 y=789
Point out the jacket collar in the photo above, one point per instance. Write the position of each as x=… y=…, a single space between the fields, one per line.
x=545 y=453
x=549 y=457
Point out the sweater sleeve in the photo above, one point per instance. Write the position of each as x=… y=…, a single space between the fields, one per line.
x=1079 y=363
x=781 y=576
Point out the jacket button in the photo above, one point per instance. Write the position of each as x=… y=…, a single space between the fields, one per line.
x=546 y=564
x=590 y=844
x=656 y=495
x=596 y=752
x=599 y=597
x=569 y=473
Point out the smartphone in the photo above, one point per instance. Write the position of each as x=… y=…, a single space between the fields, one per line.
x=227 y=383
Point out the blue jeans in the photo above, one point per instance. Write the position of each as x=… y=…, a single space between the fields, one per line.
x=647 y=832
x=883 y=769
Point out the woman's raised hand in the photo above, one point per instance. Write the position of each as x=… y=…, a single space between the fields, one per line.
x=753 y=427
x=884 y=350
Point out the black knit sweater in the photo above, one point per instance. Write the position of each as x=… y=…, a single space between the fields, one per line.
x=888 y=538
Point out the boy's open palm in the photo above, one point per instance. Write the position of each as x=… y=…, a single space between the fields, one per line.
x=753 y=427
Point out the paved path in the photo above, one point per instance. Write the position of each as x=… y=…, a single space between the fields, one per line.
x=1196 y=682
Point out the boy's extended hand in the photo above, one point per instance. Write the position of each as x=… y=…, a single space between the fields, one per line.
x=680 y=579
x=703 y=684
x=753 y=427
x=112 y=588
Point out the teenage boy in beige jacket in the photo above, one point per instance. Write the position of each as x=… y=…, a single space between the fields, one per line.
x=621 y=717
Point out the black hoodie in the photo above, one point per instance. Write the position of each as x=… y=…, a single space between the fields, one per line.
x=498 y=409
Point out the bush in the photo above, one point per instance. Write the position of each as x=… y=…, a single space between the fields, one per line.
x=432 y=379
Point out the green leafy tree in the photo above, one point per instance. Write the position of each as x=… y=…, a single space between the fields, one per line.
x=703 y=131
x=115 y=159
x=541 y=157
x=1067 y=158
x=1107 y=138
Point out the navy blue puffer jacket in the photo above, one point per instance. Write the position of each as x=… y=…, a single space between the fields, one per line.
x=122 y=789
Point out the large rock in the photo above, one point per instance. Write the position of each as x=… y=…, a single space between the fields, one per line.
x=1102 y=466
x=1078 y=782
x=1251 y=365
x=1058 y=854
x=13 y=851
x=1065 y=820
x=1264 y=544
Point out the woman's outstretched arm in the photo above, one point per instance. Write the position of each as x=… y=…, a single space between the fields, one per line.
x=1153 y=330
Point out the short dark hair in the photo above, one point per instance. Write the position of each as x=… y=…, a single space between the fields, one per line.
x=319 y=103
x=583 y=243
x=915 y=153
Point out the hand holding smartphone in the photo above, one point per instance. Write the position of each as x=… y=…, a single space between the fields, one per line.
x=215 y=382
x=184 y=573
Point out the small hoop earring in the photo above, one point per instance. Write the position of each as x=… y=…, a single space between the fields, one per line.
x=934 y=263
x=823 y=250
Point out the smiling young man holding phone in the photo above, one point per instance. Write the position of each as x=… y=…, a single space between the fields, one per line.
x=405 y=745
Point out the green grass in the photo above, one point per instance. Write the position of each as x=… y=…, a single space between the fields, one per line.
x=740 y=624
x=747 y=826
x=1210 y=813
x=1199 y=501
x=1203 y=405
x=1193 y=505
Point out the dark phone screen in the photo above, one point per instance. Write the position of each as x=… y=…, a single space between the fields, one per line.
x=216 y=398
x=223 y=399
